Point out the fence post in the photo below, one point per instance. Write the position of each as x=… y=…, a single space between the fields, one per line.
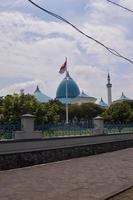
x=27 y=123
x=27 y=128
x=98 y=125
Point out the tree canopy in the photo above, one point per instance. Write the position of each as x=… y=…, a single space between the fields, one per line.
x=119 y=113
x=13 y=106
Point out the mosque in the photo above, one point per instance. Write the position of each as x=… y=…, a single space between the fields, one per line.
x=69 y=92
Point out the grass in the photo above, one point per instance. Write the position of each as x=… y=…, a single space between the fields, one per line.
x=83 y=132
x=116 y=130
x=6 y=135
x=65 y=133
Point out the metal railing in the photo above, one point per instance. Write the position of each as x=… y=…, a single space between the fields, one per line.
x=7 y=130
x=118 y=128
x=62 y=130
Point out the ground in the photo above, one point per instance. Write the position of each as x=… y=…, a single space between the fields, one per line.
x=87 y=178
x=127 y=195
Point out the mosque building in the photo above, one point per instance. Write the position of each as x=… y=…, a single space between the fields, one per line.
x=69 y=92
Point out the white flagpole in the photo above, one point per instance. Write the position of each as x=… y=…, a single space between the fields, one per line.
x=67 y=120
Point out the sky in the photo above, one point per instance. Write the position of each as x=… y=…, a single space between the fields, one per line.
x=34 y=45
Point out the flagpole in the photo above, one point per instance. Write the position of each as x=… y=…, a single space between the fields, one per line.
x=67 y=120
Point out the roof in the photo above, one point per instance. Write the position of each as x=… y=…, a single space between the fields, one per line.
x=64 y=100
x=40 y=96
x=102 y=103
x=83 y=98
x=82 y=94
x=123 y=97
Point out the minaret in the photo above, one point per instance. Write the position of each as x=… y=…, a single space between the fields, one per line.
x=109 y=93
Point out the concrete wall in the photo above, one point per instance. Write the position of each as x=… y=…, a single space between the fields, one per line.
x=29 y=145
x=21 y=153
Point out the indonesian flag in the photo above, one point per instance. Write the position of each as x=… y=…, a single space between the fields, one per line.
x=63 y=67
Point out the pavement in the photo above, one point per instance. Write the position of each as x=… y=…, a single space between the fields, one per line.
x=126 y=195
x=88 y=178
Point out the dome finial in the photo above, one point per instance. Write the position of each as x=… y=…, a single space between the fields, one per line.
x=108 y=78
x=37 y=89
x=122 y=94
x=67 y=75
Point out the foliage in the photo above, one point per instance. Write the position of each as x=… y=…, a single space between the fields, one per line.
x=13 y=106
x=118 y=113
x=85 y=111
x=54 y=111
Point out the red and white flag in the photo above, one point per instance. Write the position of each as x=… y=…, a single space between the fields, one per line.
x=63 y=67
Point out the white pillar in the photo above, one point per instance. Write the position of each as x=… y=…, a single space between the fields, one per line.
x=27 y=123
x=27 y=128
x=98 y=125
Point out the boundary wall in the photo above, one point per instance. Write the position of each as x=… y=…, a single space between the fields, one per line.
x=27 y=152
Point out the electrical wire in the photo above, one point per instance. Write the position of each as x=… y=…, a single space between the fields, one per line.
x=111 y=50
x=121 y=6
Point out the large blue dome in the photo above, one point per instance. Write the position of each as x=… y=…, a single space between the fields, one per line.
x=72 y=88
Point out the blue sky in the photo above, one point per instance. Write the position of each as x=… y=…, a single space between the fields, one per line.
x=33 y=45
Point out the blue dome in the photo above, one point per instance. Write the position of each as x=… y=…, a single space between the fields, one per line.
x=72 y=88
x=40 y=96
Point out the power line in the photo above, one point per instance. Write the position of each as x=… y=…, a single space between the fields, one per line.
x=111 y=50
x=121 y=6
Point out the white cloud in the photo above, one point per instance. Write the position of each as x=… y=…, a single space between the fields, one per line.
x=28 y=86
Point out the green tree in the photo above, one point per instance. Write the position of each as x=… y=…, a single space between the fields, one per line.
x=118 y=113
x=85 y=111
x=16 y=105
x=54 y=111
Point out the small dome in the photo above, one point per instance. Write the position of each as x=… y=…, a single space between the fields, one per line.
x=102 y=103
x=72 y=88
x=123 y=97
x=40 y=96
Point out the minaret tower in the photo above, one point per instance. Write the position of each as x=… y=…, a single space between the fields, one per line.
x=109 y=93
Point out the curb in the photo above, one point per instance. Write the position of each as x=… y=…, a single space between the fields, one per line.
x=114 y=194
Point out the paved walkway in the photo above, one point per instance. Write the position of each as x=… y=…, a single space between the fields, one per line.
x=127 y=195
x=87 y=178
